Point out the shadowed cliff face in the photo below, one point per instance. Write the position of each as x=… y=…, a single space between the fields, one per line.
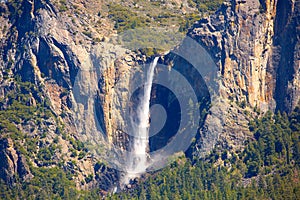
x=13 y=163
x=286 y=54
x=166 y=98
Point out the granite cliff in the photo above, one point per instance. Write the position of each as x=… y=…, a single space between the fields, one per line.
x=255 y=45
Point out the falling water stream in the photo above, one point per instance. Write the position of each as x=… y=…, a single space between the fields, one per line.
x=137 y=164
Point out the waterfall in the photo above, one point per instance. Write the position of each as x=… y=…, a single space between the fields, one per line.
x=138 y=163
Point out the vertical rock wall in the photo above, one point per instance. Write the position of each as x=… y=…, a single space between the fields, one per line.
x=256 y=46
x=286 y=54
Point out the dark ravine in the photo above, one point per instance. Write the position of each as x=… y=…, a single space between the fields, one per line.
x=285 y=59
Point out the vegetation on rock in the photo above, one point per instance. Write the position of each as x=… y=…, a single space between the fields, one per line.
x=268 y=168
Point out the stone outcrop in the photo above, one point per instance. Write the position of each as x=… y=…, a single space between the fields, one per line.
x=256 y=47
x=42 y=48
x=285 y=60
x=106 y=177
x=253 y=43
x=13 y=163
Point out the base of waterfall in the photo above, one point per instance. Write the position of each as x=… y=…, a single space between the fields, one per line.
x=134 y=171
x=130 y=179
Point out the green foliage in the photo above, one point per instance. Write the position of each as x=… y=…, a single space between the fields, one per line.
x=89 y=178
x=150 y=41
x=47 y=183
x=152 y=14
x=159 y=15
x=125 y=19
x=15 y=8
x=87 y=33
x=267 y=168
x=188 y=21
x=81 y=155
x=73 y=152
x=207 y=5
x=44 y=154
x=18 y=109
x=63 y=6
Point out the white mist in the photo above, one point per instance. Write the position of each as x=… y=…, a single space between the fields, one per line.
x=137 y=164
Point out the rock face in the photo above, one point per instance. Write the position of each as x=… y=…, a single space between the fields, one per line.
x=13 y=163
x=41 y=46
x=106 y=177
x=86 y=82
x=286 y=53
x=257 y=65
x=256 y=47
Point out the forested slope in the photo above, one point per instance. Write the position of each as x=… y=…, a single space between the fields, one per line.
x=268 y=168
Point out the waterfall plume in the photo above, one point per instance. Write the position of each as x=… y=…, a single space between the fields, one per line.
x=137 y=163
